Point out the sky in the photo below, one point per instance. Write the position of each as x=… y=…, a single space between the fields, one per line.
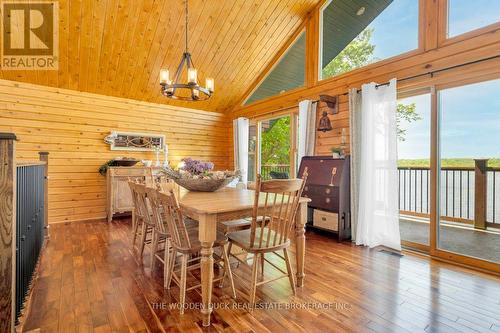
x=467 y=15
x=470 y=125
x=396 y=28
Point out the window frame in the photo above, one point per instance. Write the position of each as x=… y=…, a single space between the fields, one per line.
x=252 y=122
x=257 y=121
x=419 y=50
x=443 y=17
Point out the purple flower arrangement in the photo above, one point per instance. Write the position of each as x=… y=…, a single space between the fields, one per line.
x=196 y=167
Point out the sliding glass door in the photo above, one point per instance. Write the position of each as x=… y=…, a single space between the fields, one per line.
x=413 y=121
x=468 y=223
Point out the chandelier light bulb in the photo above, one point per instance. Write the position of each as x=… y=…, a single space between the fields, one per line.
x=209 y=84
x=192 y=75
x=164 y=76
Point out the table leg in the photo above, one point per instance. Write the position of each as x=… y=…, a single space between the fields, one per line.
x=300 y=242
x=207 y=235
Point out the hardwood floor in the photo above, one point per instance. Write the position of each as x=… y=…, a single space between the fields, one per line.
x=90 y=280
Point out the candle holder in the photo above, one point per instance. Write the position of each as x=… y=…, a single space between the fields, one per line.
x=157 y=151
x=165 y=157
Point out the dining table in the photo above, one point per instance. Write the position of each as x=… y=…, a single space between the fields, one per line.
x=227 y=204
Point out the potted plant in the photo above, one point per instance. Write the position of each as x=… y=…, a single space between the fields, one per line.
x=336 y=152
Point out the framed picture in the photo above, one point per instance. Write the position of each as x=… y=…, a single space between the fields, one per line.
x=135 y=141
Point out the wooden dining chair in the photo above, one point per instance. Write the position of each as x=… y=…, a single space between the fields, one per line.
x=277 y=202
x=160 y=183
x=184 y=243
x=160 y=230
x=143 y=216
x=138 y=215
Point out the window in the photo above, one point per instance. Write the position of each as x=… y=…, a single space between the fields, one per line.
x=289 y=72
x=469 y=156
x=355 y=33
x=464 y=16
x=414 y=140
x=275 y=147
x=252 y=142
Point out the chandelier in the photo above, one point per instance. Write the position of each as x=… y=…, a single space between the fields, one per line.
x=190 y=90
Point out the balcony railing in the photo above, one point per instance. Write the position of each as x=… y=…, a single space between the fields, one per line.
x=266 y=171
x=23 y=221
x=457 y=193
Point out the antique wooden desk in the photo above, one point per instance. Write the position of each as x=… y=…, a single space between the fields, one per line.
x=210 y=208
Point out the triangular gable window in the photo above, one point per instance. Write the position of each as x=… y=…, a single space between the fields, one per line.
x=289 y=73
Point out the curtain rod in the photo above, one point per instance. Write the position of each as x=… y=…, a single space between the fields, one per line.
x=431 y=73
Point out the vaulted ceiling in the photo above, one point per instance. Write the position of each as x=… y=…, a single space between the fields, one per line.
x=117 y=47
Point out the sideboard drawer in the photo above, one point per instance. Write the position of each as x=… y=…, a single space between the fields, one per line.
x=128 y=172
x=326 y=220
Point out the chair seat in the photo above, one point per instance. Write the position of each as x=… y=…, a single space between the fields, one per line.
x=235 y=225
x=192 y=230
x=242 y=239
x=241 y=224
x=190 y=225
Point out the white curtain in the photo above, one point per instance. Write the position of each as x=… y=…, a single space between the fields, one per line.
x=355 y=151
x=378 y=214
x=307 y=129
x=240 y=137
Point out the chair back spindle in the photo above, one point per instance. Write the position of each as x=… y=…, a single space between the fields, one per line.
x=275 y=206
x=166 y=203
x=157 y=212
x=143 y=205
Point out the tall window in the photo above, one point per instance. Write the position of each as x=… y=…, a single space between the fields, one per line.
x=469 y=133
x=413 y=125
x=275 y=147
x=355 y=33
x=289 y=72
x=252 y=145
x=465 y=16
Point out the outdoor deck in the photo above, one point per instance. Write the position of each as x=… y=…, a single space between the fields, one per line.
x=462 y=239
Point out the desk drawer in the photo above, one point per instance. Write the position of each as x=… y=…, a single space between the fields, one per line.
x=326 y=220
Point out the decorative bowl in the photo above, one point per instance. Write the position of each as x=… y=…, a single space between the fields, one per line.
x=203 y=185
x=209 y=182
x=125 y=162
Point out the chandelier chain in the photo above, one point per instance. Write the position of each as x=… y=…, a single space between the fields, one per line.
x=186 y=24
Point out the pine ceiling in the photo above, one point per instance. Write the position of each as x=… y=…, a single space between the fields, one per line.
x=117 y=47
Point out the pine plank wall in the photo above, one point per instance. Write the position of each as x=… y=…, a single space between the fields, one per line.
x=325 y=141
x=71 y=126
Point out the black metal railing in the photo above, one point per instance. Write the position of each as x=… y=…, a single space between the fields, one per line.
x=493 y=195
x=414 y=189
x=268 y=171
x=457 y=193
x=29 y=226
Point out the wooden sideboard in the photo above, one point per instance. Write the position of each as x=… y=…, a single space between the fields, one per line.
x=119 y=198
